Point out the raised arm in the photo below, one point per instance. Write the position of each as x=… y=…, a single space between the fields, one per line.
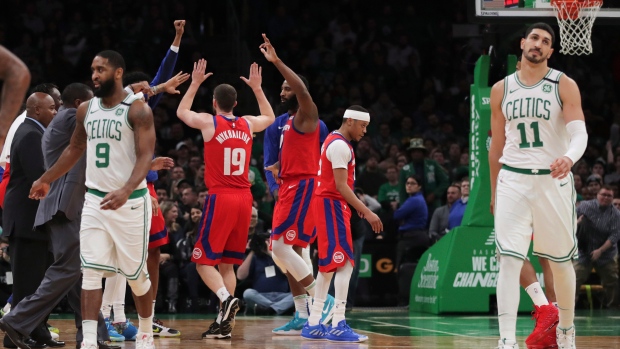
x=267 y=117
x=67 y=159
x=200 y=121
x=307 y=116
x=498 y=123
x=163 y=80
x=16 y=77
x=575 y=125
x=140 y=118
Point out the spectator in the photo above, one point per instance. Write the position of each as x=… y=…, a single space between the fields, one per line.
x=269 y=292
x=189 y=199
x=258 y=186
x=202 y=195
x=389 y=192
x=162 y=192
x=383 y=141
x=371 y=179
x=598 y=234
x=458 y=207
x=413 y=214
x=593 y=184
x=435 y=179
x=440 y=221
x=599 y=167
x=184 y=249
x=171 y=212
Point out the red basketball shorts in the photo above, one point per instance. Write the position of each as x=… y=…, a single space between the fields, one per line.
x=158 y=235
x=292 y=217
x=333 y=230
x=224 y=227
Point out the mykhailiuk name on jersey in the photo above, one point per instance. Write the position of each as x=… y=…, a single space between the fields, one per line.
x=227 y=134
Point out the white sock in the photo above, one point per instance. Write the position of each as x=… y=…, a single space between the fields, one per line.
x=301 y=306
x=339 y=309
x=108 y=295
x=223 y=294
x=145 y=325
x=106 y=309
x=89 y=330
x=119 y=312
x=153 y=313
x=7 y=307
x=565 y=284
x=219 y=317
x=310 y=288
x=118 y=299
x=508 y=293
x=322 y=286
x=315 y=313
x=537 y=294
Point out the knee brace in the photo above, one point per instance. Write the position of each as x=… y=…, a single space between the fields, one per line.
x=91 y=279
x=141 y=285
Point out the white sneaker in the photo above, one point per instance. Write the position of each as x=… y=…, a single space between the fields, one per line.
x=144 y=341
x=565 y=337
x=507 y=344
x=54 y=335
x=88 y=345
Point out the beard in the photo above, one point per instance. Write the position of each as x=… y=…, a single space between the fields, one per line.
x=533 y=59
x=106 y=88
x=288 y=104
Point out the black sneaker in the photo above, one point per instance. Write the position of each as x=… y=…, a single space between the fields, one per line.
x=213 y=332
x=229 y=308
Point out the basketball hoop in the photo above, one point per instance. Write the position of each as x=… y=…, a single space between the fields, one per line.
x=575 y=18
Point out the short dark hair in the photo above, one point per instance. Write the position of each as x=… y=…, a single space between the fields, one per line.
x=75 y=91
x=541 y=25
x=47 y=87
x=201 y=189
x=135 y=76
x=357 y=108
x=417 y=178
x=606 y=187
x=225 y=95
x=114 y=58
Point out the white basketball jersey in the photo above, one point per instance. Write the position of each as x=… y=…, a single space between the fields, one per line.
x=110 y=151
x=535 y=129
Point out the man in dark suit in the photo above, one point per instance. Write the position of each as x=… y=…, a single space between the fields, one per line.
x=59 y=215
x=28 y=247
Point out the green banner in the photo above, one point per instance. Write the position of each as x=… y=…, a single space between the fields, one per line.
x=459 y=272
x=365 y=266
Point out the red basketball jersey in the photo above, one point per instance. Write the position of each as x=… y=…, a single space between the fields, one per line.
x=227 y=154
x=326 y=186
x=299 y=152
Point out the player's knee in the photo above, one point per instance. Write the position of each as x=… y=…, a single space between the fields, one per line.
x=91 y=279
x=141 y=285
x=281 y=249
x=277 y=261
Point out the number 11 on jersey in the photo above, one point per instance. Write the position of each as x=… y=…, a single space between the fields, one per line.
x=234 y=157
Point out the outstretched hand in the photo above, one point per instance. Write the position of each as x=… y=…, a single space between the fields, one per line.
x=255 y=79
x=198 y=75
x=275 y=169
x=171 y=85
x=162 y=163
x=268 y=51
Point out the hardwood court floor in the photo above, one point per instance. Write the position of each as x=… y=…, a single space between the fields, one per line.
x=598 y=329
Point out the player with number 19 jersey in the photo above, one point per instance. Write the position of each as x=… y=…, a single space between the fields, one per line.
x=227 y=210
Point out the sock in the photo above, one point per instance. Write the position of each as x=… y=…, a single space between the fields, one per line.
x=7 y=307
x=145 y=325
x=301 y=306
x=106 y=309
x=315 y=313
x=310 y=288
x=119 y=312
x=508 y=293
x=339 y=309
x=153 y=308
x=219 y=317
x=537 y=294
x=322 y=286
x=223 y=294
x=89 y=330
x=565 y=284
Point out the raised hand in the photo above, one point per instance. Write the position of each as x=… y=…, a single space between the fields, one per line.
x=179 y=27
x=171 y=85
x=268 y=51
x=198 y=75
x=162 y=163
x=255 y=78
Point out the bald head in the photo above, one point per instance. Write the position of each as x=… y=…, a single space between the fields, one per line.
x=41 y=107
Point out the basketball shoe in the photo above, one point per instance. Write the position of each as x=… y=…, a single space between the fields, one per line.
x=343 y=333
x=507 y=344
x=318 y=332
x=88 y=345
x=230 y=307
x=159 y=330
x=114 y=336
x=126 y=329
x=291 y=328
x=328 y=309
x=547 y=318
x=213 y=332
x=144 y=341
x=565 y=337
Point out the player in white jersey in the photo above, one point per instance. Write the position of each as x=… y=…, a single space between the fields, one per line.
x=116 y=129
x=538 y=133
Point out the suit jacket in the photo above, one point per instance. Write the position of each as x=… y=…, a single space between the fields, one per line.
x=67 y=192
x=26 y=167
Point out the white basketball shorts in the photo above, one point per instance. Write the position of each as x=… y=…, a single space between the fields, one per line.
x=529 y=201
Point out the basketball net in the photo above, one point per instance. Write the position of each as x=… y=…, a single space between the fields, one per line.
x=575 y=19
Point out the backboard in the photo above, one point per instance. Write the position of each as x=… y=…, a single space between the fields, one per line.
x=511 y=11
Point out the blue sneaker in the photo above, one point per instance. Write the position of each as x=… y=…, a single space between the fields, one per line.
x=127 y=330
x=328 y=310
x=114 y=336
x=316 y=333
x=291 y=328
x=343 y=333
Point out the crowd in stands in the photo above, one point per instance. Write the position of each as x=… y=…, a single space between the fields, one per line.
x=404 y=61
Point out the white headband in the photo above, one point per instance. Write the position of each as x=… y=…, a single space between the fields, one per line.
x=357 y=115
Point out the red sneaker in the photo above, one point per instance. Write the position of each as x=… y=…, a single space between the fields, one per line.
x=543 y=336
